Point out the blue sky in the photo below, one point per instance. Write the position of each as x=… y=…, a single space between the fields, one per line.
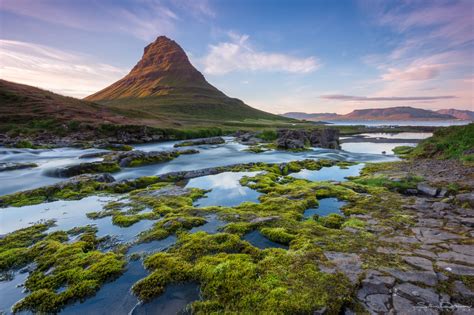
x=279 y=56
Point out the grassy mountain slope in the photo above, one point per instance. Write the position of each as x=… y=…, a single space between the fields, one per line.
x=165 y=84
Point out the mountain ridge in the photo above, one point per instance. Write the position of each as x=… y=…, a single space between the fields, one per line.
x=389 y=113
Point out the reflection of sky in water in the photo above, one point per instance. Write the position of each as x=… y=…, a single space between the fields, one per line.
x=114 y=297
x=11 y=292
x=173 y=301
x=68 y=214
x=326 y=206
x=374 y=148
x=399 y=135
x=258 y=240
x=212 y=226
x=226 y=189
x=441 y=123
x=329 y=173
x=209 y=156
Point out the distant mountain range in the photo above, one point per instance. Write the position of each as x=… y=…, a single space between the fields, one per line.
x=391 y=113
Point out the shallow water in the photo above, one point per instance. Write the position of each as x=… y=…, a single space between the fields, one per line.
x=209 y=156
x=326 y=206
x=333 y=173
x=226 y=189
x=258 y=240
x=173 y=301
x=211 y=227
x=378 y=123
x=399 y=135
x=67 y=215
x=114 y=297
x=153 y=246
x=11 y=292
x=373 y=148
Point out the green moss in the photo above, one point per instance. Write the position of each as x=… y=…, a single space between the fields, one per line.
x=332 y=221
x=354 y=223
x=403 y=150
x=279 y=235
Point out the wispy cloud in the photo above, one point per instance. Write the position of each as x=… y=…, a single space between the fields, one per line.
x=144 y=19
x=340 y=97
x=63 y=72
x=239 y=55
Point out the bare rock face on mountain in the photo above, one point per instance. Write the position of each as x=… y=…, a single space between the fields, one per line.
x=300 y=139
x=165 y=84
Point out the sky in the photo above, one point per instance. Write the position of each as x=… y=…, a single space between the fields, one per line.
x=276 y=55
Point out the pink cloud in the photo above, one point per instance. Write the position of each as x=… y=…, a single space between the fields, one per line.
x=415 y=73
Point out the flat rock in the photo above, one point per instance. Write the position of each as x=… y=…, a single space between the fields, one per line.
x=212 y=140
x=419 y=262
x=456 y=269
x=463 y=290
x=440 y=206
x=417 y=294
x=456 y=257
x=433 y=235
x=348 y=263
x=404 y=306
x=426 y=277
x=466 y=198
x=378 y=303
x=166 y=191
x=463 y=249
x=11 y=166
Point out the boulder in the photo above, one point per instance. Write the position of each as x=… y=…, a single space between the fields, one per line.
x=84 y=168
x=139 y=158
x=292 y=139
x=10 y=166
x=426 y=189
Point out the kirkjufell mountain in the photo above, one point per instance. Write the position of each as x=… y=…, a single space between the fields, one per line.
x=164 y=82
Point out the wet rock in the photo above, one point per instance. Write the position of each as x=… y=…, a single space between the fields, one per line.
x=10 y=166
x=299 y=139
x=93 y=155
x=426 y=189
x=212 y=140
x=456 y=269
x=419 y=262
x=261 y=220
x=139 y=158
x=466 y=198
x=84 y=168
x=348 y=263
x=426 y=277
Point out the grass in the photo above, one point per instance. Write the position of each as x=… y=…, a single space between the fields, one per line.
x=455 y=142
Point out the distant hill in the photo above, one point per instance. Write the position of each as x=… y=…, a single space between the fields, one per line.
x=390 y=113
x=21 y=104
x=165 y=83
x=313 y=117
x=459 y=114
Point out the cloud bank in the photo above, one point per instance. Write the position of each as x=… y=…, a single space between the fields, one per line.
x=62 y=72
x=239 y=55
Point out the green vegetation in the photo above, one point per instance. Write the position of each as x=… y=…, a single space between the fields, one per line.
x=403 y=151
x=76 y=268
x=455 y=142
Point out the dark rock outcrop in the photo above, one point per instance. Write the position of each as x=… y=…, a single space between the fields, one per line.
x=291 y=139
x=85 y=168
x=15 y=166
x=139 y=158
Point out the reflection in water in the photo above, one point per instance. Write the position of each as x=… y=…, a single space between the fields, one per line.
x=114 y=297
x=153 y=246
x=333 y=173
x=212 y=226
x=173 y=301
x=11 y=292
x=399 y=135
x=209 y=156
x=326 y=206
x=226 y=189
x=258 y=240
x=374 y=148
x=67 y=215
